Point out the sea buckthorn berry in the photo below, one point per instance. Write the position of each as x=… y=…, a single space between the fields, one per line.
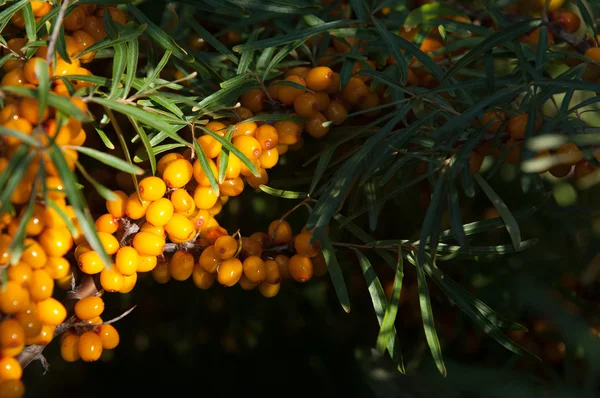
x=57 y=267
x=117 y=207
x=80 y=249
x=69 y=350
x=493 y=121
x=570 y=153
x=216 y=127
x=201 y=219
x=567 y=19
x=301 y=71
x=107 y=223
x=111 y=279
x=216 y=209
x=146 y=263
x=234 y=165
x=306 y=105
x=33 y=254
x=267 y=136
x=84 y=40
x=288 y=131
x=20 y=272
x=475 y=162
x=246 y=284
x=319 y=78
x=242 y=113
x=51 y=311
x=288 y=94
x=44 y=337
x=109 y=336
x=301 y=268
x=12 y=333
x=370 y=101
x=269 y=158
x=334 y=84
x=226 y=246
x=232 y=187
x=129 y=282
x=180 y=228
x=135 y=209
x=75 y=19
x=250 y=247
x=148 y=244
x=40 y=286
x=210 y=146
x=254 y=269
x=315 y=125
x=260 y=237
x=167 y=159
x=89 y=307
x=181 y=265
x=10 y=369
x=31 y=324
x=56 y=241
x=90 y=262
x=12 y=388
x=109 y=242
x=253 y=99
x=90 y=346
x=355 y=90
x=202 y=279
x=200 y=175
x=94 y=26
x=205 y=197
x=158 y=231
x=152 y=188
x=178 y=173
x=182 y=201
x=29 y=109
x=213 y=232
x=5 y=241
x=160 y=212
x=323 y=100
x=303 y=246
x=336 y=112
x=583 y=169
x=517 y=125
x=116 y=15
x=209 y=259
x=269 y=290
x=230 y=272
x=280 y=232
x=272 y=272
x=283 y=262
x=16 y=77
x=248 y=145
x=161 y=273
x=245 y=170
x=245 y=128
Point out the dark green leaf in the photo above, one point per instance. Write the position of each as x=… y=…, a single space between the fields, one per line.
x=110 y=160
x=210 y=39
x=203 y=160
x=118 y=68
x=391 y=310
x=280 y=193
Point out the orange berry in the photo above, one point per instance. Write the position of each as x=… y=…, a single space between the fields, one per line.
x=149 y=244
x=134 y=208
x=254 y=181
x=355 y=90
x=230 y=271
x=34 y=254
x=283 y=264
x=89 y=307
x=111 y=279
x=116 y=15
x=248 y=145
x=583 y=168
x=180 y=229
x=181 y=265
x=301 y=71
x=567 y=19
x=280 y=232
x=90 y=262
x=272 y=272
x=160 y=212
x=94 y=26
x=40 y=286
x=234 y=165
x=75 y=19
x=288 y=94
x=217 y=128
x=107 y=223
x=306 y=105
x=517 y=125
x=301 y=268
x=289 y=132
x=12 y=333
x=209 y=259
x=167 y=159
x=269 y=290
x=253 y=99
x=314 y=126
x=250 y=247
x=231 y=187
x=303 y=246
x=336 y=112
x=247 y=284
x=254 y=269
x=84 y=40
x=29 y=109
x=267 y=136
x=69 y=350
x=570 y=152
x=202 y=279
x=245 y=128
x=205 y=197
x=226 y=246
x=51 y=311
x=12 y=388
x=109 y=336
x=15 y=77
x=127 y=260
x=117 y=207
x=334 y=85
x=44 y=337
x=269 y=158
x=178 y=173
x=319 y=78
x=90 y=346
x=199 y=174
x=10 y=369
x=493 y=120
x=146 y=263
x=152 y=188
x=210 y=146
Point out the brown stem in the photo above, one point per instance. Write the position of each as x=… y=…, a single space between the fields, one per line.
x=56 y=30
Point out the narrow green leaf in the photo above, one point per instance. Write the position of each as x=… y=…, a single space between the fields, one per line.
x=428 y=230
x=335 y=271
x=69 y=224
x=371 y=198
x=587 y=18
x=246 y=57
x=8 y=12
x=17 y=134
x=118 y=68
x=41 y=70
x=391 y=310
x=103 y=191
x=324 y=160
x=283 y=53
x=30 y=24
x=388 y=38
x=155 y=72
x=454 y=209
x=210 y=39
x=203 y=159
x=76 y=200
x=511 y=224
x=17 y=173
x=224 y=97
x=163 y=39
x=61 y=45
x=379 y=305
x=231 y=148
x=133 y=54
x=276 y=6
x=125 y=35
x=428 y=12
x=150 y=152
x=15 y=248
x=280 y=193
x=105 y=140
x=428 y=322
x=541 y=52
x=109 y=160
x=224 y=157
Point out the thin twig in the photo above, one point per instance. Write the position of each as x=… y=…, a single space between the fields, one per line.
x=56 y=30
x=123 y=315
x=287 y=214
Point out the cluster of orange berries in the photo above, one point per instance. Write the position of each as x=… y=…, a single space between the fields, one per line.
x=87 y=340
x=29 y=312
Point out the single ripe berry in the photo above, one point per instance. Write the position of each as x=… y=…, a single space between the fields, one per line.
x=301 y=71
x=146 y=263
x=269 y=290
x=117 y=207
x=303 y=246
x=181 y=265
x=41 y=285
x=178 y=173
x=253 y=99
x=161 y=273
x=69 y=347
x=245 y=128
x=250 y=247
x=34 y=254
x=158 y=231
x=12 y=333
x=226 y=246
x=90 y=262
x=280 y=232
x=269 y=158
x=493 y=121
x=202 y=279
x=355 y=90
x=51 y=311
x=107 y=223
x=152 y=188
x=135 y=209
x=319 y=78
x=160 y=212
x=234 y=166
x=570 y=154
x=289 y=132
x=283 y=262
x=288 y=94
x=127 y=260
x=180 y=228
x=209 y=259
x=273 y=274
x=210 y=146
x=231 y=187
x=182 y=202
x=246 y=284
x=167 y=159
x=267 y=136
x=111 y=279
x=254 y=269
x=89 y=307
x=230 y=272
x=306 y=105
x=205 y=197
x=148 y=244
x=336 y=112
x=10 y=369
x=109 y=243
x=199 y=174
x=248 y=145
x=14 y=298
x=301 y=268
x=109 y=336
x=129 y=282
x=89 y=346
